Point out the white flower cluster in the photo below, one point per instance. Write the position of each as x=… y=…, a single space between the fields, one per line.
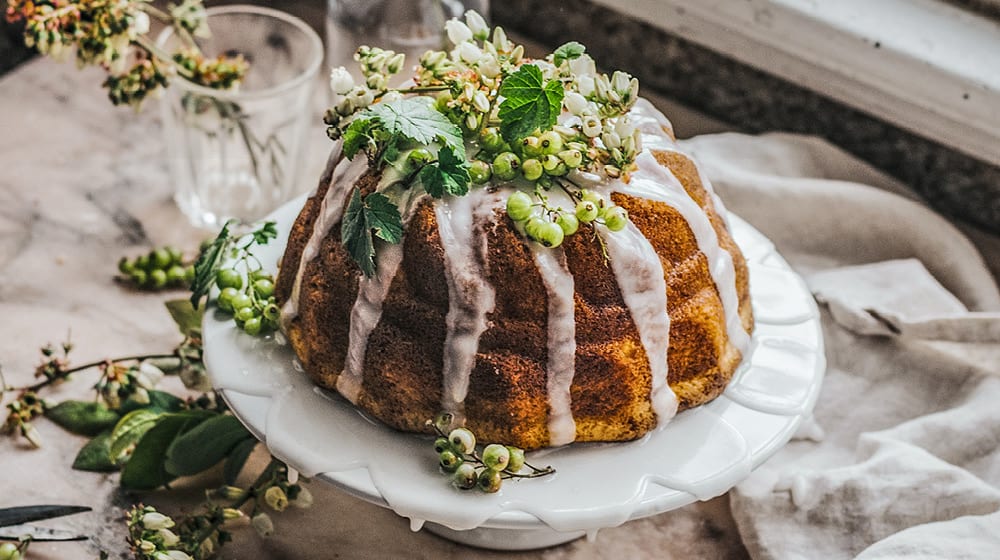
x=377 y=66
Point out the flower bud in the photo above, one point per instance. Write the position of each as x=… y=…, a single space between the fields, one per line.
x=591 y=126
x=517 y=54
x=477 y=25
x=207 y=547
x=155 y=520
x=140 y=24
x=231 y=513
x=376 y=82
x=263 y=525
x=469 y=52
x=585 y=85
x=602 y=86
x=148 y=375
x=500 y=40
x=230 y=492
x=341 y=81
x=620 y=82
x=624 y=127
x=276 y=498
x=395 y=63
x=611 y=140
x=489 y=68
x=172 y=555
x=430 y=59
x=31 y=434
x=458 y=32
x=141 y=396
x=471 y=122
x=583 y=65
x=574 y=102
x=481 y=102
x=147 y=547
x=169 y=537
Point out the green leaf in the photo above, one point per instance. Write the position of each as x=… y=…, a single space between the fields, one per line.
x=208 y=262
x=376 y=214
x=416 y=119
x=96 y=455
x=529 y=103
x=145 y=469
x=185 y=316
x=205 y=445
x=569 y=51
x=86 y=418
x=130 y=429
x=357 y=136
x=448 y=175
x=265 y=232
x=236 y=459
x=159 y=401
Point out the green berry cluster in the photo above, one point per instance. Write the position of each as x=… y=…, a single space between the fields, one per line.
x=161 y=268
x=459 y=457
x=249 y=297
x=550 y=225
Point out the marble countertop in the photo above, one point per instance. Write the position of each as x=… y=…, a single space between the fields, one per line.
x=84 y=183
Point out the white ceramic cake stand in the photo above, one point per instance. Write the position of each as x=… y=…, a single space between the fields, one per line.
x=700 y=454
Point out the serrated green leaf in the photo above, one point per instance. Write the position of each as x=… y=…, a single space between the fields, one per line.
x=383 y=218
x=529 y=103
x=357 y=136
x=568 y=51
x=448 y=175
x=415 y=119
x=185 y=316
x=265 y=232
x=204 y=445
x=208 y=262
x=95 y=455
x=236 y=459
x=86 y=418
x=145 y=468
x=356 y=235
x=130 y=429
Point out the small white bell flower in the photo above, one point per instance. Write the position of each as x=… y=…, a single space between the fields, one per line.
x=575 y=103
x=481 y=102
x=583 y=65
x=140 y=24
x=591 y=126
x=458 y=32
x=155 y=521
x=477 y=25
x=585 y=85
x=263 y=525
x=169 y=537
x=341 y=81
x=469 y=52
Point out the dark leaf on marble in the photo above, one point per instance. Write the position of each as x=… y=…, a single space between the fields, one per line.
x=96 y=455
x=86 y=418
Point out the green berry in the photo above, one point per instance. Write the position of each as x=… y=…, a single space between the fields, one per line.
x=241 y=300
x=463 y=440
x=176 y=275
x=550 y=162
x=441 y=445
x=226 y=296
x=568 y=223
x=615 y=218
x=272 y=312
x=532 y=169
x=489 y=480
x=506 y=166
x=264 y=288
x=531 y=147
x=586 y=211
x=441 y=101
x=125 y=266
x=572 y=158
x=158 y=278
x=480 y=172
x=160 y=259
x=252 y=326
x=551 y=142
x=465 y=477
x=559 y=170
x=9 y=551
x=142 y=262
x=591 y=196
x=228 y=278
x=519 y=206
x=496 y=456
x=443 y=422
x=550 y=234
x=189 y=274
x=244 y=314
x=139 y=277
x=259 y=274
x=534 y=226
x=516 y=462
x=176 y=257
x=419 y=157
x=491 y=141
x=449 y=460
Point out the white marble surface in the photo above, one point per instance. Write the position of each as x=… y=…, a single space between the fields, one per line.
x=83 y=183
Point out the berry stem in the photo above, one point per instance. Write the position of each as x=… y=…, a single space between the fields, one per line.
x=66 y=373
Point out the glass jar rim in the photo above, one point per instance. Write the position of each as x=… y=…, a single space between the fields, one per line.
x=308 y=73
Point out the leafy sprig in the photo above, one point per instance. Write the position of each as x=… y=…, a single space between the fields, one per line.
x=530 y=103
x=227 y=246
x=376 y=216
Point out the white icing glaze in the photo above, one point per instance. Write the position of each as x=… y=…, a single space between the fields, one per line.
x=561 y=361
x=639 y=272
x=655 y=182
x=470 y=296
x=331 y=208
x=365 y=314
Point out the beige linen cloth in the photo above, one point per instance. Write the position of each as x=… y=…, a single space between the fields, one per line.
x=902 y=459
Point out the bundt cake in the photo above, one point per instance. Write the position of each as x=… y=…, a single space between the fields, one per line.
x=425 y=273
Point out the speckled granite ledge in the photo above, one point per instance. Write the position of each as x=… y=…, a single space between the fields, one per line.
x=958 y=185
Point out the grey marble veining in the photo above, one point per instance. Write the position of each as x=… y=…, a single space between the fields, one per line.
x=83 y=183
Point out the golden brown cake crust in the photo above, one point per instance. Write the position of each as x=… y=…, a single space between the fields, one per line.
x=507 y=399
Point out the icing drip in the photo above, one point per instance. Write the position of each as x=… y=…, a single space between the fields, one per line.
x=561 y=342
x=470 y=296
x=639 y=272
x=331 y=208
x=365 y=314
x=655 y=182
